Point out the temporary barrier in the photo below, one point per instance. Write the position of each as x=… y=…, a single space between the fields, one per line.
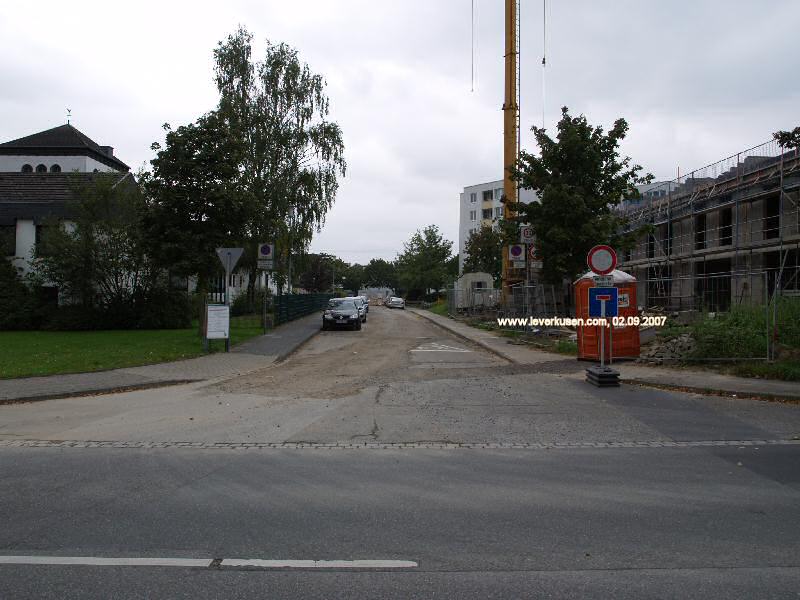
x=621 y=337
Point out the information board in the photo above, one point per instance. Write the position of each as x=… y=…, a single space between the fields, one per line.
x=218 y=321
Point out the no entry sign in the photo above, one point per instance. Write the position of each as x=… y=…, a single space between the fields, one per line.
x=602 y=259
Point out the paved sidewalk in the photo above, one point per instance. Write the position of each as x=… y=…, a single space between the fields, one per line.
x=254 y=354
x=686 y=379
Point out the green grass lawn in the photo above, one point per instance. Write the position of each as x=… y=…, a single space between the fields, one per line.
x=27 y=353
x=439 y=308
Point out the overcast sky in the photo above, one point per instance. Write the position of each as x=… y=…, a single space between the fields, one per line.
x=696 y=80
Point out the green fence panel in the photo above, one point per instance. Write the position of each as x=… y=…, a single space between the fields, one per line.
x=289 y=307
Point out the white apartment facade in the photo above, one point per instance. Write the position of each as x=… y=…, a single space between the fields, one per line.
x=480 y=205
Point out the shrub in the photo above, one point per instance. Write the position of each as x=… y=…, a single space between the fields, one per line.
x=20 y=306
x=165 y=309
x=244 y=305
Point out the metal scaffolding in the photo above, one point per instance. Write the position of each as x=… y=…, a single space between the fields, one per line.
x=719 y=236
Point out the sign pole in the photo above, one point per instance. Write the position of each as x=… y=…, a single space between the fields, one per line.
x=602 y=334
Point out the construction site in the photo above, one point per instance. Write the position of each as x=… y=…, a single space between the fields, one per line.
x=720 y=236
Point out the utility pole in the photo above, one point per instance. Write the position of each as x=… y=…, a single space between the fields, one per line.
x=510 y=129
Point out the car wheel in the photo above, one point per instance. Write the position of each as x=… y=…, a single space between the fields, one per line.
x=358 y=326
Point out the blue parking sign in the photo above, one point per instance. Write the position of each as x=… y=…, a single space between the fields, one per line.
x=598 y=294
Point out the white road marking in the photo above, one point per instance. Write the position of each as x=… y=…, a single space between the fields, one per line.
x=438 y=348
x=317 y=564
x=105 y=562
x=96 y=561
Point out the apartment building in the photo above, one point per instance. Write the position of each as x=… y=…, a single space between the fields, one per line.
x=481 y=205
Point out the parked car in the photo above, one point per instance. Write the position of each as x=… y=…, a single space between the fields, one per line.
x=395 y=302
x=341 y=313
x=361 y=306
x=366 y=302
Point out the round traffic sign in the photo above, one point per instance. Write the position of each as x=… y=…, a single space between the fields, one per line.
x=602 y=259
x=265 y=250
x=517 y=251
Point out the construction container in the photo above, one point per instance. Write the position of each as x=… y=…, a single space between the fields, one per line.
x=622 y=338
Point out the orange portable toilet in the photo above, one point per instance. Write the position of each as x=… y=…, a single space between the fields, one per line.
x=624 y=335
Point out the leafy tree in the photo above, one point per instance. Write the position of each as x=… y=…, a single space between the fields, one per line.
x=788 y=139
x=293 y=155
x=423 y=264
x=353 y=279
x=195 y=203
x=380 y=273
x=100 y=260
x=579 y=177
x=316 y=271
x=484 y=252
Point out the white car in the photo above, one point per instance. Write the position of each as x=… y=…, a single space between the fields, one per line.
x=395 y=302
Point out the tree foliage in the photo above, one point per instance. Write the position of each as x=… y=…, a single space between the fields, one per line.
x=788 y=139
x=196 y=202
x=423 y=264
x=292 y=155
x=579 y=177
x=315 y=272
x=484 y=252
x=380 y=273
x=100 y=260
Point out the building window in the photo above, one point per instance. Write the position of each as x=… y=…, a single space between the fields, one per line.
x=55 y=168
x=498 y=212
x=487 y=196
x=772 y=218
x=487 y=213
x=473 y=197
x=41 y=169
x=473 y=215
x=700 y=232
x=498 y=193
x=726 y=227
x=8 y=240
x=27 y=169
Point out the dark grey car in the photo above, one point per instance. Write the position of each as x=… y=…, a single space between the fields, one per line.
x=342 y=313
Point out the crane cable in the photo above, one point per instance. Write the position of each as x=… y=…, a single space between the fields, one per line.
x=544 y=56
x=472 y=47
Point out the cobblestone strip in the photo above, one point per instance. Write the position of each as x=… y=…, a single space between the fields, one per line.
x=390 y=445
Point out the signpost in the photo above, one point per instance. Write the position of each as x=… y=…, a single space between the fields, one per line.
x=228 y=257
x=602 y=260
x=603 y=280
x=603 y=303
x=266 y=253
x=516 y=254
x=526 y=235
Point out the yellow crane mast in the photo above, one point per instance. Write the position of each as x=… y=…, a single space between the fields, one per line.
x=510 y=127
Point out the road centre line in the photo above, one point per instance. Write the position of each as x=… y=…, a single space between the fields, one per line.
x=318 y=564
x=97 y=561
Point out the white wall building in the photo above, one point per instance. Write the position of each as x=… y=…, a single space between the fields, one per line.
x=480 y=205
x=35 y=186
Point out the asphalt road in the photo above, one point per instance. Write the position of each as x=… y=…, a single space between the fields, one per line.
x=401 y=443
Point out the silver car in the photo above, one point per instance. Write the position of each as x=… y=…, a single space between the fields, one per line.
x=395 y=302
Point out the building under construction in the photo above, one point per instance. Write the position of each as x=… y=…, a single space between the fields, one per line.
x=723 y=235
